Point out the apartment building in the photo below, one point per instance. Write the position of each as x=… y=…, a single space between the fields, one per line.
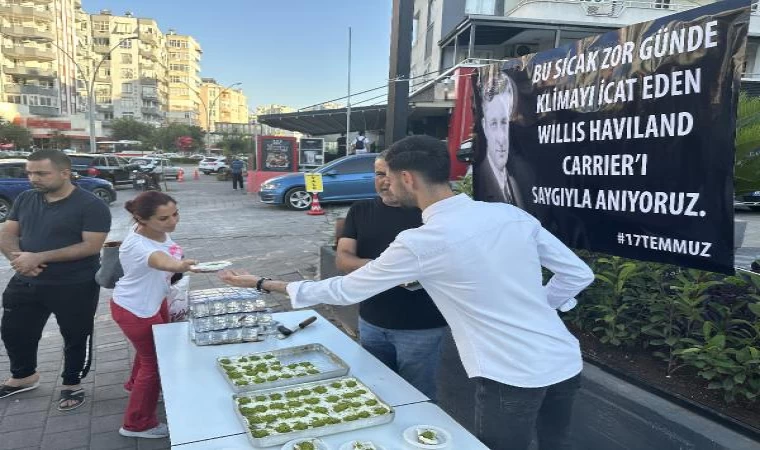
x=38 y=78
x=127 y=56
x=267 y=130
x=449 y=32
x=222 y=104
x=184 y=67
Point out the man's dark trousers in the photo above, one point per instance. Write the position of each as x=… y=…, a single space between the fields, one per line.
x=27 y=308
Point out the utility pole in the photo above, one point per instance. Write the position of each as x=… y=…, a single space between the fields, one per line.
x=397 y=114
x=348 y=102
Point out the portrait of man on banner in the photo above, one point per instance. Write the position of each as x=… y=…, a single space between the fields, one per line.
x=497 y=95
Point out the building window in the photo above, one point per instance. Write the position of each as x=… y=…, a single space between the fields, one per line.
x=126 y=58
x=105 y=72
x=14 y=99
x=415 y=27
x=662 y=4
x=126 y=88
x=127 y=103
x=101 y=26
x=122 y=28
x=126 y=44
x=101 y=41
x=108 y=115
x=127 y=73
x=128 y=114
x=482 y=7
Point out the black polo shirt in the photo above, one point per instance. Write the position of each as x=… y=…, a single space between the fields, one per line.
x=374 y=226
x=47 y=226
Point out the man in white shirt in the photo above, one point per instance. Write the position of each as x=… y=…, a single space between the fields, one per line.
x=481 y=264
x=361 y=144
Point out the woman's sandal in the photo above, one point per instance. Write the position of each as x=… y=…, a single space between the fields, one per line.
x=71 y=395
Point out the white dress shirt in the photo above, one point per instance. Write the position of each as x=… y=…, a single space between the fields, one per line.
x=481 y=264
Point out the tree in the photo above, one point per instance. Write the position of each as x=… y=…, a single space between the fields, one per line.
x=747 y=159
x=10 y=133
x=234 y=144
x=130 y=129
x=167 y=137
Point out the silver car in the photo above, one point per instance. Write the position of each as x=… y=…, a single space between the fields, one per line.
x=157 y=165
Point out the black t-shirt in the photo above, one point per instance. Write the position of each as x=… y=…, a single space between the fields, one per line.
x=47 y=226
x=374 y=226
x=341 y=146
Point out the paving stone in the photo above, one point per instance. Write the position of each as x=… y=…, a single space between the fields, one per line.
x=69 y=422
x=112 y=440
x=65 y=440
x=110 y=392
x=22 y=405
x=108 y=407
x=20 y=422
x=153 y=444
x=101 y=424
x=111 y=355
x=20 y=439
x=107 y=379
x=113 y=366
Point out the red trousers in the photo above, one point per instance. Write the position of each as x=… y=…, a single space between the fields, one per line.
x=144 y=383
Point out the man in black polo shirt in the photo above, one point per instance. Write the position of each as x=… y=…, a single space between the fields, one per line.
x=52 y=238
x=400 y=327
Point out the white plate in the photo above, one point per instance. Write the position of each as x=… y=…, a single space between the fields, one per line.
x=410 y=436
x=212 y=266
x=320 y=444
x=349 y=445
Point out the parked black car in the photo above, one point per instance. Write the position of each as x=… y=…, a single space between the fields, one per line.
x=112 y=168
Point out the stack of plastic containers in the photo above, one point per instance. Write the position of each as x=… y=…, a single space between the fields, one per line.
x=229 y=315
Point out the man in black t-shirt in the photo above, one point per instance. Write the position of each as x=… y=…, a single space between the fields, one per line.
x=52 y=238
x=341 y=145
x=402 y=328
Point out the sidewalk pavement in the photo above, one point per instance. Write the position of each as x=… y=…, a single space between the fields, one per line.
x=216 y=223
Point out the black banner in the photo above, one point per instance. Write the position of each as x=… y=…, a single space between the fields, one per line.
x=622 y=143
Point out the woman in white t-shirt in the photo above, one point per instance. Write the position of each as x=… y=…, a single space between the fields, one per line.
x=150 y=259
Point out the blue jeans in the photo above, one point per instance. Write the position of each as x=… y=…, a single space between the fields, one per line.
x=506 y=417
x=413 y=354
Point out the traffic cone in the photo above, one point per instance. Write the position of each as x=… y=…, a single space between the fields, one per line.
x=316 y=209
x=180 y=175
x=196 y=176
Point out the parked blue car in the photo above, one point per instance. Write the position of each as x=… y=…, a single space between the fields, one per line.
x=344 y=180
x=13 y=181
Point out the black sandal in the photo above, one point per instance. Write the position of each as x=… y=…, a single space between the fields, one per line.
x=7 y=391
x=71 y=395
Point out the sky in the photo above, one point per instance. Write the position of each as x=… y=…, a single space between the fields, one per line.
x=288 y=52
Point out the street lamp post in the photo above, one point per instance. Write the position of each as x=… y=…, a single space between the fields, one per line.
x=91 y=84
x=213 y=102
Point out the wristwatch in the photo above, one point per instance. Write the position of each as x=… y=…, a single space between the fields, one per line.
x=260 y=285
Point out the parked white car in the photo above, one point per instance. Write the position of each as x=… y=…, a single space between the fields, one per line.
x=157 y=165
x=212 y=164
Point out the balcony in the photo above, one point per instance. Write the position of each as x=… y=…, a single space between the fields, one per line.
x=623 y=12
x=32 y=72
x=26 y=11
x=104 y=107
x=26 y=32
x=149 y=94
x=19 y=52
x=150 y=111
x=44 y=110
x=99 y=48
x=148 y=38
x=30 y=89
